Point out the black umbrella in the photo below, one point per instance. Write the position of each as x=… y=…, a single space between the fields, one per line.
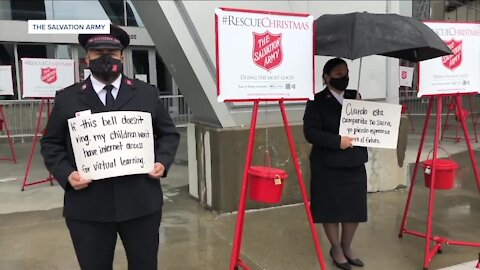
x=355 y=35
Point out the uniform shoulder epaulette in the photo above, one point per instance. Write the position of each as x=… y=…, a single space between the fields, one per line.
x=69 y=87
x=129 y=82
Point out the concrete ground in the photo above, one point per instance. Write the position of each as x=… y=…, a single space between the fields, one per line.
x=33 y=234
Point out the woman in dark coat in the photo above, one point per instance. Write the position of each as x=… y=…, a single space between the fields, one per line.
x=338 y=190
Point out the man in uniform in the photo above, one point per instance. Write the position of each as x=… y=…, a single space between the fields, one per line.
x=129 y=206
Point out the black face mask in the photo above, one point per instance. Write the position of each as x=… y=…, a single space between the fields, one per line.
x=106 y=68
x=339 y=83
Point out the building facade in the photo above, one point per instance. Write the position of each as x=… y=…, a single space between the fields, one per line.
x=141 y=57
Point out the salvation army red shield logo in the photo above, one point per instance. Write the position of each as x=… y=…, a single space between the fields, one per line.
x=404 y=74
x=454 y=60
x=267 y=50
x=49 y=75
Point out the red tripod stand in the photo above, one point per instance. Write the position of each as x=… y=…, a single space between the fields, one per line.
x=4 y=125
x=460 y=113
x=45 y=102
x=438 y=241
x=236 y=262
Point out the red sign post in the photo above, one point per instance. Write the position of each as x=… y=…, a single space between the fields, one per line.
x=448 y=77
x=45 y=102
x=4 y=125
x=264 y=69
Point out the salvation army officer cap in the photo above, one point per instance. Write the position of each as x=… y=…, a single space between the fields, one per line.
x=117 y=39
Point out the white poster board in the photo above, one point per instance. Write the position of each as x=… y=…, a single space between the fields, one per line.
x=86 y=73
x=112 y=144
x=141 y=77
x=405 y=76
x=6 y=83
x=456 y=73
x=371 y=124
x=264 y=55
x=41 y=78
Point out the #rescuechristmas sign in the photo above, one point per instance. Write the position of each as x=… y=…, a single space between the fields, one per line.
x=41 y=78
x=458 y=72
x=264 y=55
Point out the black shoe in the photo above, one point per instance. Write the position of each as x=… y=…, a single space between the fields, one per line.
x=344 y=266
x=356 y=262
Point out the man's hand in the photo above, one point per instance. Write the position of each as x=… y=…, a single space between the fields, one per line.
x=346 y=142
x=158 y=171
x=78 y=182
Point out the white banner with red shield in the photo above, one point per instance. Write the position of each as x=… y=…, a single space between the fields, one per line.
x=405 y=76
x=264 y=56
x=6 y=82
x=456 y=73
x=41 y=78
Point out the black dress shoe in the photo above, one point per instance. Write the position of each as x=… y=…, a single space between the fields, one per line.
x=356 y=262
x=344 y=266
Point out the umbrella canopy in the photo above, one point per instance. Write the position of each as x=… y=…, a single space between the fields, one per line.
x=355 y=35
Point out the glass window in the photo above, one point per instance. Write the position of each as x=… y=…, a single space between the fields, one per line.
x=7 y=57
x=5 y=10
x=23 y=10
x=64 y=52
x=163 y=77
x=133 y=19
x=140 y=63
x=119 y=12
x=86 y=10
x=82 y=63
x=115 y=10
x=75 y=10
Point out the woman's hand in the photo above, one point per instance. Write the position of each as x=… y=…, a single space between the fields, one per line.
x=346 y=142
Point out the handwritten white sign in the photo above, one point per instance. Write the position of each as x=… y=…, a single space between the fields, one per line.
x=6 y=83
x=112 y=144
x=371 y=124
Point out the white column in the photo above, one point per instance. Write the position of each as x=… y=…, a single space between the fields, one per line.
x=392 y=82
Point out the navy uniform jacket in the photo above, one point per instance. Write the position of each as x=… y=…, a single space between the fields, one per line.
x=112 y=199
x=321 y=124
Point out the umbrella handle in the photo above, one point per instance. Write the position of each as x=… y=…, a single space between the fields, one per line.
x=359 y=75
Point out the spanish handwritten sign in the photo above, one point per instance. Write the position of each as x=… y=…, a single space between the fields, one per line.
x=371 y=124
x=112 y=144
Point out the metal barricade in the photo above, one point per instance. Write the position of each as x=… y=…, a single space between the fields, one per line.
x=22 y=115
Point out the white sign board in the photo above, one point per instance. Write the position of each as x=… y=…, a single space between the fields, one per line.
x=405 y=76
x=6 y=83
x=141 y=77
x=86 y=73
x=112 y=144
x=456 y=73
x=371 y=124
x=41 y=78
x=264 y=55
